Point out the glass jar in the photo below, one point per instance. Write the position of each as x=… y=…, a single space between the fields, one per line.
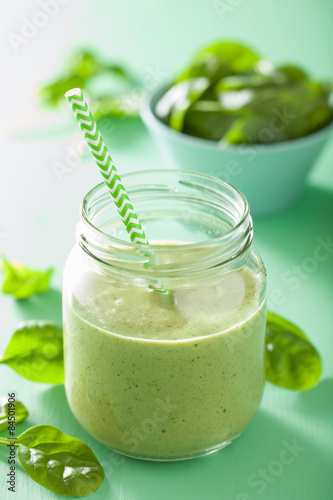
x=165 y=376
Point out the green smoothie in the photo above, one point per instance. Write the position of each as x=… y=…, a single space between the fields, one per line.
x=166 y=379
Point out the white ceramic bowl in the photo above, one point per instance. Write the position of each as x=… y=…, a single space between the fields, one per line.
x=271 y=176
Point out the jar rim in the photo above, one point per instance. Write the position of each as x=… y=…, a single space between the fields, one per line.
x=84 y=209
x=220 y=202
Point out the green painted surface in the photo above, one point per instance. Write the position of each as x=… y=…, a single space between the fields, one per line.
x=286 y=453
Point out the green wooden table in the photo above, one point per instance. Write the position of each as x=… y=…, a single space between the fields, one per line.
x=286 y=452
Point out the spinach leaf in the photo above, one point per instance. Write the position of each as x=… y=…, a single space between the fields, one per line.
x=22 y=282
x=84 y=64
x=255 y=79
x=52 y=93
x=17 y=410
x=176 y=102
x=35 y=351
x=245 y=129
x=245 y=100
x=280 y=114
x=292 y=73
x=81 y=69
x=60 y=463
x=291 y=361
x=220 y=60
x=209 y=120
x=125 y=104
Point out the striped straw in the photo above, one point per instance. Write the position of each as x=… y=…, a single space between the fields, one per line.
x=108 y=170
x=105 y=164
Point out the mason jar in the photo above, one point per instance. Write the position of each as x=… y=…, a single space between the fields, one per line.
x=164 y=344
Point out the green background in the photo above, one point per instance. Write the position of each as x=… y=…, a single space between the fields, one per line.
x=39 y=212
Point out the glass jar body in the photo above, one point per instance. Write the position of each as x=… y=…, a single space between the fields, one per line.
x=164 y=376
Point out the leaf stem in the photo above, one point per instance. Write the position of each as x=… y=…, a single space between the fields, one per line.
x=6 y=441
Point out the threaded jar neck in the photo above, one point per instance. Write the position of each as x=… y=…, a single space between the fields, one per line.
x=209 y=217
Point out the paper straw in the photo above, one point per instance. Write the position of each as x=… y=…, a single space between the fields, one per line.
x=108 y=170
x=106 y=167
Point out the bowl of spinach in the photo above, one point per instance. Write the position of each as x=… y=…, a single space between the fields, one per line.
x=233 y=115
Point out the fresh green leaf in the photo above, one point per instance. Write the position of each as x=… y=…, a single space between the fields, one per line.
x=281 y=77
x=84 y=64
x=195 y=89
x=60 y=463
x=16 y=409
x=35 y=351
x=291 y=360
x=220 y=60
x=126 y=105
x=51 y=94
x=22 y=282
x=244 y=130
x=245 y=100
x=247 y=81
x=209 y=120
x=81 y=70
x=292 y=74
x=281 y=114
x=176 y=102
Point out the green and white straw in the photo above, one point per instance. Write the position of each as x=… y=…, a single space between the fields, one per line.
x=105 y=164
x=108 y=170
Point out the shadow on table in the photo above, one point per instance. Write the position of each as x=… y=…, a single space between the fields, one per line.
x=319 y=400
x=271 y=457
